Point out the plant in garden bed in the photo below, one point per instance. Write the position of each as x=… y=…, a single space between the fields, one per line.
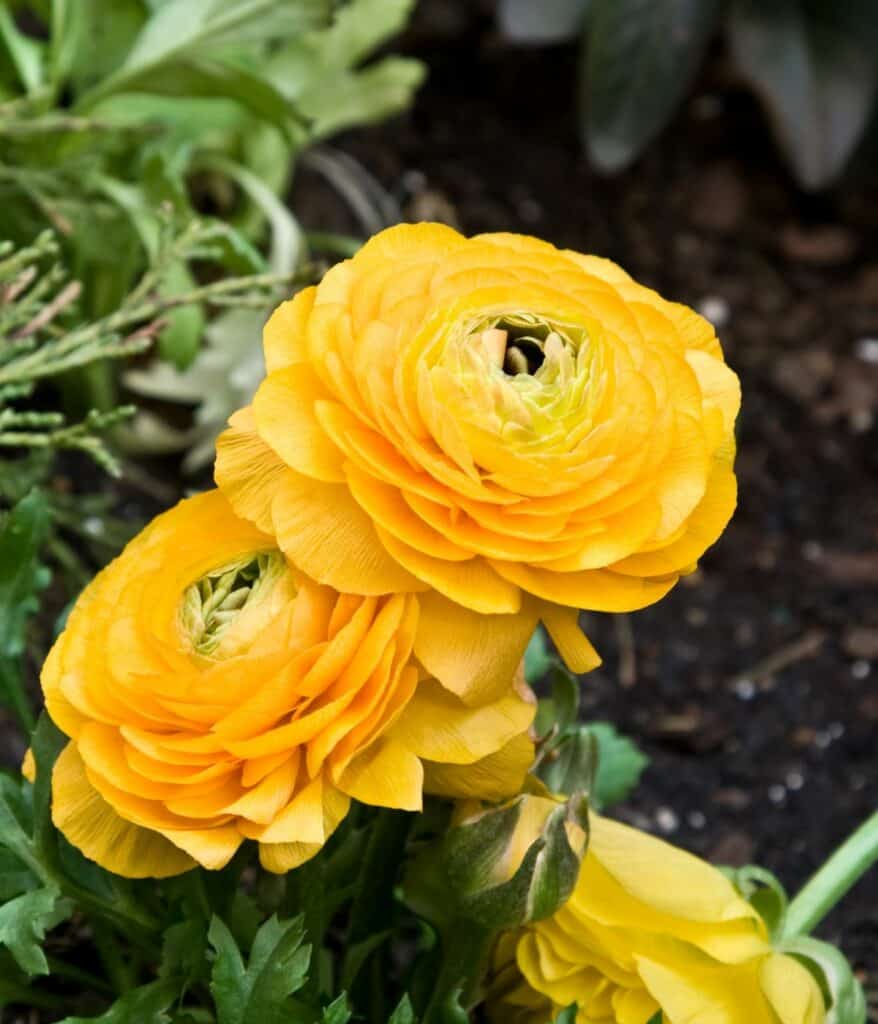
x=113 y=108
x=289 y=768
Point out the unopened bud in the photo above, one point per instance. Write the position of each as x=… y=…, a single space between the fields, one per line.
x=518 y=862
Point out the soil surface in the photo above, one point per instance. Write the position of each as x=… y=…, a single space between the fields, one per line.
x=753 y=687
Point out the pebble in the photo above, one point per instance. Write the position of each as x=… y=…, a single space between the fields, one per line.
x=715 y=309
x=93 y=525
x=867 y=350
x=794 y=781
x=667 y=820
x=860 y=669
x=777 y=793
x=696 y=819
x=745 y=689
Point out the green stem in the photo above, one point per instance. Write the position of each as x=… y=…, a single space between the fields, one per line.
x=833 y=880
x=465 y=948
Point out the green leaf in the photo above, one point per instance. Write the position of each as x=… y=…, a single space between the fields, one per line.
x=337 y=1012
x=184 y=953
x=403 y=1014
x=538 y=659
x=620 y=765
x=15 y=821
x=813 y=64
x=22 y=534
x=25 y=53
x=360 y=27
x=277 y=968
x=180 y=340
x=567 y=1015
x=641 y=56
x=145 y=1005
x=343 y=100
x=184 y=30
x=213 y=78
x=24 y=922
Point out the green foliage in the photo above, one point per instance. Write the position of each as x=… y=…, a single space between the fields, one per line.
x=22 y=577
x=619 y=765
x=24 y=922
x=810 y=62
x=188 y=103
x=277 y=968
x=641 y=58
x=813 y=64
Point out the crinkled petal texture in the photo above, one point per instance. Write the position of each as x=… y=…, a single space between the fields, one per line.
x=519 y=428
x=651 y=929
x=212 y=692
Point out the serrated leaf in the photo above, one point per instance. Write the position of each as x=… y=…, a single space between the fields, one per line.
x=345 y=99
x=620 y=765
x=641 y=56
x=145 y=1005
x=184 y=953
x=360 y=27
x=24 y=922
x=549 y=21
x=277 y=968
x=813 y=65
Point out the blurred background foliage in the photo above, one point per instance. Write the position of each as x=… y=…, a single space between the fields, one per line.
x=114 y=112
x=811 y=63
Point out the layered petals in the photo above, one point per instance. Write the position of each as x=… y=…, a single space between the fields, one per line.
x=517 y=428
x=213 y=693
x=650 y=932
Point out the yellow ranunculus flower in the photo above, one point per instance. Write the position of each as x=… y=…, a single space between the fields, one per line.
x=213 y=693
x=650 y=930
x=523 y=430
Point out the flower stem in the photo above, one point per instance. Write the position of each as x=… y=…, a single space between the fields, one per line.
x=830 y=882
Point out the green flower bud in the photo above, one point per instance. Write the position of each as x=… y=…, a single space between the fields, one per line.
x=519 y=862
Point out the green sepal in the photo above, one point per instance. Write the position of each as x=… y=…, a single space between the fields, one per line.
x=842 y=991
x=764 y=892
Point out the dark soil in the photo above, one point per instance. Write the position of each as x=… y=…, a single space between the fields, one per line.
x=753 y=685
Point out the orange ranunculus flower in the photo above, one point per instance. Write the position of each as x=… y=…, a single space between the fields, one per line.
x=650 y=933
x=213 y=693
x=522 y=430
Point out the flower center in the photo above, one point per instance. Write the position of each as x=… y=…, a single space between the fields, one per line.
x=212 y=604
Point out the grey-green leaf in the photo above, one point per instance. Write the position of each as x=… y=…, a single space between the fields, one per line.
x=641 y=56
x=813 y=65
x=549 y=21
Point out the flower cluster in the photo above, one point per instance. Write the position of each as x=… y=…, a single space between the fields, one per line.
x=456 y=439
